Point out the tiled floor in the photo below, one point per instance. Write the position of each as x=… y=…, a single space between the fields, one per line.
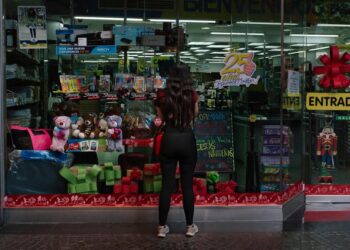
x=318 y=236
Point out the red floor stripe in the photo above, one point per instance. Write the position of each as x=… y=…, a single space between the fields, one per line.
x=326 y=216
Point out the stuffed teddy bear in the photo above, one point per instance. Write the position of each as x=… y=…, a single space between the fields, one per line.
x=87 y=129
x=60 y=133
x=76 y=123
x=114 y=133
x=102 y=125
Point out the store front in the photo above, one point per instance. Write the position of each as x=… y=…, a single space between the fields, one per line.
x=260 y=96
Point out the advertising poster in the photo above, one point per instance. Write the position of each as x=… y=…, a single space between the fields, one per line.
x=32 y=33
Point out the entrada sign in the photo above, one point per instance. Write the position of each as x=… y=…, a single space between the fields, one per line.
x=328 y=101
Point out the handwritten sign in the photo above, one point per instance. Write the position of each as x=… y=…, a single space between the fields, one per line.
x=238 y=70
x=213 y=130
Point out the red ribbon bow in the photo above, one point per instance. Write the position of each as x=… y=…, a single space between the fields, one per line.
x=334 y=69
x=135 y=174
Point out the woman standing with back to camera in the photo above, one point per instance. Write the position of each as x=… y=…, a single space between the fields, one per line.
x=177 y=106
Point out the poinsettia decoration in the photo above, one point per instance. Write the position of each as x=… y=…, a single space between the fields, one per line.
x=334 y=69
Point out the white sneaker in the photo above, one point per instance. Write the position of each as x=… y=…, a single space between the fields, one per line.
x=192 y=230
x=162 y=231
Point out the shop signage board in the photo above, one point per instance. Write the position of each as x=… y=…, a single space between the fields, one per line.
x=32 y=33
x=238 y=70
x=328 y=101
x=292 y=101
x=213 y=131
x=93 y=50
x=293 y=82
x=342 y=118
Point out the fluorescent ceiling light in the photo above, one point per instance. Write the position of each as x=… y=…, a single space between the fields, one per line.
x=194 y=48
x=136 y=51
x=184 y=52
x=202 y=50
x=303 y=45
x=95 y=61
x=266 y=23
x=262 y=53
x=321 y=48
x=280 y=50
x=200 y=43
x=113 y=58
x=314 y=35
x=219 y=57
x=108 y=18
x=205 y=28
x=297 y=52
x=268 y=47
x=218 y=46
x=275 y=56
x=253 y=51
x=217 y=62
x=236 y=34
x=255 y=44
x=332 y=25
x=200 y=54
x=219 y=53
x=287 y=30
x=181 y=21
x=348 y=43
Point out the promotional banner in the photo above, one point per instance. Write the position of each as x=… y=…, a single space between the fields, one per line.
x=293 y=82
x=32 y=33
x=238 y=70
x=328 y=101
x=292 y=101
x=93 y=50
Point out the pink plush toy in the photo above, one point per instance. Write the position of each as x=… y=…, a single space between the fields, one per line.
x=60 y=133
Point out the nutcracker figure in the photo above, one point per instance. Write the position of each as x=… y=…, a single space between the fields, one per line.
x=327 y=148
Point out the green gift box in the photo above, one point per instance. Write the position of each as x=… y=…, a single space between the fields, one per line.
x=110 y=173
x=148 y=184
x=157 y=183
x=81 y=179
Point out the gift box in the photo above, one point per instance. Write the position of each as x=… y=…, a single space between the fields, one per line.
x=226 y=187
x=110 y=173
x=81 y=179
x=199 y=186
x=151 y=169
x=212 y=178
x=157 y=183
x=147 y=184
x=135 y=174
x=117 y=188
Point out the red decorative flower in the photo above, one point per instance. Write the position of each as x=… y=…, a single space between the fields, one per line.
x=334 y=69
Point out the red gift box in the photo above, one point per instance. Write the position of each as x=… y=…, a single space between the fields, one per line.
x=199 y=186
x=117 y=189
x=134 y=187
x=151 y=169
x=226 y=187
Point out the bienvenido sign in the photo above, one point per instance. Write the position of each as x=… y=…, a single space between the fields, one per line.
x=328 y=101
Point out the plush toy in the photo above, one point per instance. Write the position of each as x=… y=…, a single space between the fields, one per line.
x=102 y=125
x=327 y=146
x=87 y=129
x=60 y=133
x=76 y=123
x=115 y=134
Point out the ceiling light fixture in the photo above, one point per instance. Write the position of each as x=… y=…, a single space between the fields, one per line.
x=181 y=21
x=332 y=25
x=194 y=48
x=219 y=53
x=320 y=48
x=268 y=47
x=218 y=46
x=314 y=35
x=236 y=34
x=265 y=23
x=303 y=45
x=200 y=43
x=100 y=18
x=205 y=28
x=202 y=50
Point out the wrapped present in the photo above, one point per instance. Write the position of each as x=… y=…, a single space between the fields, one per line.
x=134 y=187
x=81 y=179
x=126 y=181
x=199 y=186
x=110 y=173
x=117 y=188
x=213 y=178
x=157 y=183
x=148 y=184
x=226 y=187
x=151 y=169
x=135 y=174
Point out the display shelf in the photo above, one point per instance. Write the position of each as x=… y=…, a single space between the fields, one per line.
x=16 y=56
x=19 y=81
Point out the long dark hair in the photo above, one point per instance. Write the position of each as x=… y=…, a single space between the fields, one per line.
x=178 y=108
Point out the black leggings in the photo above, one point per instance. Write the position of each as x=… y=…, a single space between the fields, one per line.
x=177 y=146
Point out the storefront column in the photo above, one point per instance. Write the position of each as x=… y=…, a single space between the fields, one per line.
x=2 y=113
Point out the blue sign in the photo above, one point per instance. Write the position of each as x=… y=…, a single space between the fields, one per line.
x=94 y=50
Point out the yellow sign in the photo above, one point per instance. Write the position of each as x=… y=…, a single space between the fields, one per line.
x=328 y=101
x=292 y=101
